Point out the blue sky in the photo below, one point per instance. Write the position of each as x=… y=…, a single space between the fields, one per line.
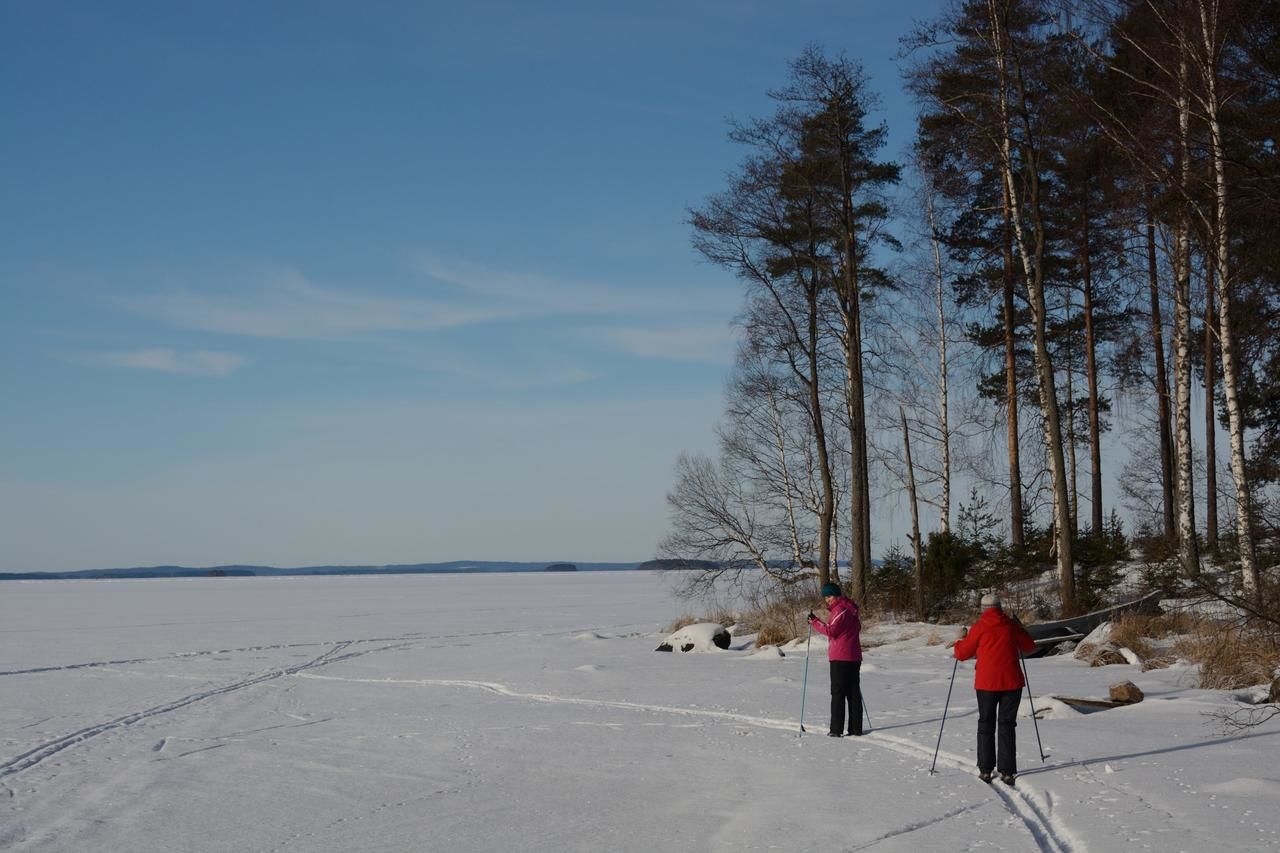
x=337 y=282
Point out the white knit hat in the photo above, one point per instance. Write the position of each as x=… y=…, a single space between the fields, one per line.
x=991 y=600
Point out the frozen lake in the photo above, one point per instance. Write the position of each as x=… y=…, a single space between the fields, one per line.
x=529 y=712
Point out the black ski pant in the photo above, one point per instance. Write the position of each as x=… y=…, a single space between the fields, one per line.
x=998 y=711
x=846 y=691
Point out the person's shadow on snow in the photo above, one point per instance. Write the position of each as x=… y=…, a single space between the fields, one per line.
x=1125 y=756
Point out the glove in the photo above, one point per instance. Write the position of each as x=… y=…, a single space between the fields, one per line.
x=811 y=616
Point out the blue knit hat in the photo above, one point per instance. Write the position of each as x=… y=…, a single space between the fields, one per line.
x=830 y=589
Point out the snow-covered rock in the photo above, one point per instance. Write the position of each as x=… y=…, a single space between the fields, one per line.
x=1129 y=655
x=699 y=637
x=1048 y=708
x=1066 y=647
x=1098 y=649
x=1104 y=655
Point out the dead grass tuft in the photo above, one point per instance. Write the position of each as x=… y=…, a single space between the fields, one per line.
x=719 y=615
x=777 y=623
x=683 y=620
x=1132 y=631
x=1172 y=623
x=1230 y=656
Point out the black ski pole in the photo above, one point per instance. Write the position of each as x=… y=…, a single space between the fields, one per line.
x=1034 y=721
x=944 y=716
x=864 y=708
x=804 y=686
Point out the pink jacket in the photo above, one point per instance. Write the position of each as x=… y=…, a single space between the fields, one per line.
x=842 y=631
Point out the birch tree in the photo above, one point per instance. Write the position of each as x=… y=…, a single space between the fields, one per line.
x=1207 y=57
x=1003 y=40
x=1187 y=42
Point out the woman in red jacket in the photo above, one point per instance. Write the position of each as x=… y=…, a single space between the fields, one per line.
x=844 y=650
x=997 y=640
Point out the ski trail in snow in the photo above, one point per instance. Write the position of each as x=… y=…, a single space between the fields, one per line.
x=1051 y=835
x=503 y=690
x=914 y=826
x=414 y=635
x=41 y=752
x=1034 y=810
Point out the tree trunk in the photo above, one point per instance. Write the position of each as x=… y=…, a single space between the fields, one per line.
x=1249 y=575
x=861 y=584
x=1053 y=429
x=915 y=517
x=855 y=392
x=826 y=514
x=1032 y=263
x=1091 y=370
x=1188 y=555
x=943 y=375
x=1017 y=527
x=1162 y=379
x=1073 y=480
x=1210 y=422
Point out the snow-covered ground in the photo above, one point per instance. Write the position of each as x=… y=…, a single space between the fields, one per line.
x=530 y=712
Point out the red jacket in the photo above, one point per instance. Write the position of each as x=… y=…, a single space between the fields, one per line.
x=842 y=630
x=996 y=640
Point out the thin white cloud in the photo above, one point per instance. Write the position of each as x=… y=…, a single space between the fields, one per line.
x=535 y=294
x=166 y=360
x=518 y=378
x=688 y=325
x=543 y=295
x=289 y=306
x=709 y=343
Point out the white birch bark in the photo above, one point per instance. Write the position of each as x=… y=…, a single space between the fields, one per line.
x=1188 y=555
x=1226 y=334
x=1031 y=256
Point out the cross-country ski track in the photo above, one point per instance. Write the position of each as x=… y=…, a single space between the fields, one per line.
x=461 y=714
x=39 y=753
x=1033 y=809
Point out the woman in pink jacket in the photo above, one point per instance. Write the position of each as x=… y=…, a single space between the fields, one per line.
x=844 y=650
